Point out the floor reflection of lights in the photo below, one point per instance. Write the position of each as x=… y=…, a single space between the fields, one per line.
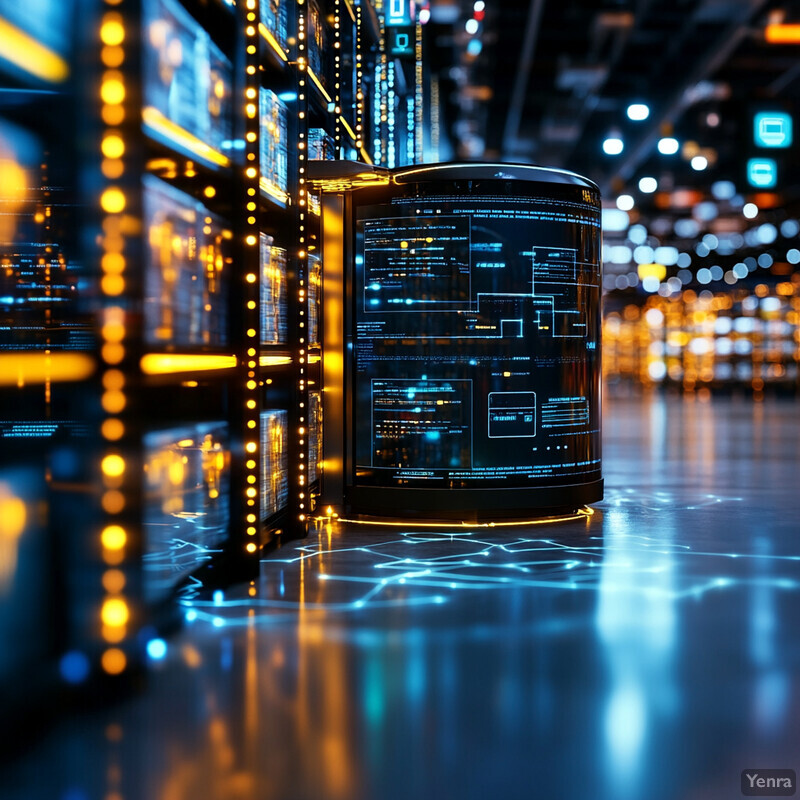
x=419 y=567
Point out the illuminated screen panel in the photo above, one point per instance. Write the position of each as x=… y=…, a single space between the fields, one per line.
x=274 y=15
x=314 y=283
x=274 y=295
x=186 y=272
x=187 y=79
x=314 y=435
x=274 y=461
x=38 y=279
x=187 y=505
x=476 y=338
x=274 y=145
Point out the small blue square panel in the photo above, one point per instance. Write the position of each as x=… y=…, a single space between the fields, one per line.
x=762 y=173
x=772 y=129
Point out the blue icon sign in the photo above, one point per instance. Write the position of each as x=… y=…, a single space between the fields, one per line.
x=762 y=173
x=772 y=129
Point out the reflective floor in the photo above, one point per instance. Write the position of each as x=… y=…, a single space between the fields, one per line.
x=648 y=651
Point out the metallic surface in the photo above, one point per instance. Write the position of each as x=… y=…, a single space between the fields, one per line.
x=647 y=651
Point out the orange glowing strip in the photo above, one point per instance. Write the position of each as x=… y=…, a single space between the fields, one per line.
x=313 y=360
x=348 y=129
x=168 y=364
x=319 y=85
x=21 y=368
x=272 y=41
x=348 y=5
x=154 y=119
x=581 y=513
x=274 y=361
x=366 y=157
x=782 y=34
x=30 y=55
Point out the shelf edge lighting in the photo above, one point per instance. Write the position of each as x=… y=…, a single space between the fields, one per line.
x=781 y=33
x=271 y=41
x=159 y=124
x=21 y=368
x=168 y=363
x=30 y=55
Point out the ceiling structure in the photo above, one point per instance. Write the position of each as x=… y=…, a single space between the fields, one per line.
x=548 y=81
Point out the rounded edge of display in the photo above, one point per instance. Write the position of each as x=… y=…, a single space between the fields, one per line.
x=493 y=171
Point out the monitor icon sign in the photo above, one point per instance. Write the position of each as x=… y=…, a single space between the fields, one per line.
x=772 y=129
x=762 y=173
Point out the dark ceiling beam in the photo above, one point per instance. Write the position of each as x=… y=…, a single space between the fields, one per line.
x=517 y=103
x=669 y=113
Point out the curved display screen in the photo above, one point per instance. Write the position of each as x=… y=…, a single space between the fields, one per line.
x=476 y=336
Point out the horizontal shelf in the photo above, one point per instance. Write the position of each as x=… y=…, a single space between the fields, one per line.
x=182 y=363
x=25 y=367
x=166 y=132
x=274 y=53
x=30 y=57
x=273 y=194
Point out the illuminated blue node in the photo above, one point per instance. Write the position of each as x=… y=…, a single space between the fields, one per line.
x=358 y=604
x=74 y=667
x=409 y=301
x=417 y=410
x=402 y=580
x=156 y=649
x=218 y=597
x=438 y=599
x=323 y=577
x=191 y=615
x=218 y=622
x=374 y=302
x=452 y=586
x=376 y=287
x=432 y=436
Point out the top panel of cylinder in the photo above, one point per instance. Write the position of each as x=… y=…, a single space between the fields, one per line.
x=499 y=171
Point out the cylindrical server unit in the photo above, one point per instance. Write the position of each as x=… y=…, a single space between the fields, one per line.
x=474 y=343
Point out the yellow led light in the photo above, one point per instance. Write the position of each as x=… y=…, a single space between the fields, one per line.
x=251 y=492
x=251 y=517
x=115 y=612
x=113 y=581
x=209 y=191
x=112 y=91
x=113 y=537
x=251 y=547
x=112 y=285
x=251 y=240
x=113 y=501
x=113 y=466
x=251 y=531
x=112 y=200
x=113 y=146
x=250 y=277
x=251 y=447
x=113 y=401
x=112 y=31
x=113 y=661
x=112 y=429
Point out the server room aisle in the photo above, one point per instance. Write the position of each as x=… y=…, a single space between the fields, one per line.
x=635 y=653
